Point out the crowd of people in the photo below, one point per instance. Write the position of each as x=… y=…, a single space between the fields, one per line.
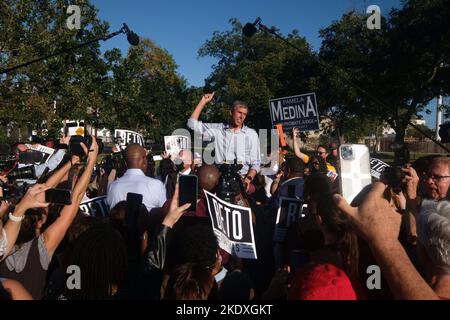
x=150 y=247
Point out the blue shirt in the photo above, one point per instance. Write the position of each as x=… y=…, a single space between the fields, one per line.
x=228 y=145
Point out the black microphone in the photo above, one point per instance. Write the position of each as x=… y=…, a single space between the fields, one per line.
x=30 y=157
x=132 y=37
x=250 y=28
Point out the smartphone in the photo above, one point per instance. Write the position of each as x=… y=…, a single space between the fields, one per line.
x=355 y=170
x=134 y=201
x=187 y=192
x=58 y=196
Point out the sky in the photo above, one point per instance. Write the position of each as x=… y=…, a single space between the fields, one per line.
x=182 y=27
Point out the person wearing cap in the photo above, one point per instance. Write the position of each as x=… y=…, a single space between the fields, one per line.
x=233 y=140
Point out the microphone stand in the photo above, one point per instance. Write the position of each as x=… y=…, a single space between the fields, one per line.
x=272 y=31
x=124 y=30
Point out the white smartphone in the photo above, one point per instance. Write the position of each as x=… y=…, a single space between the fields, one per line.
x=355 y=169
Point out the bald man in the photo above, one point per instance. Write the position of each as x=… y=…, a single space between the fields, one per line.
x=134 y=180
x=208 y=177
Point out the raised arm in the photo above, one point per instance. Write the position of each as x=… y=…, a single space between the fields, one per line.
x=298 y=153
x=202 y=103
x=56 y=231
x=379 y=224
x=32 y=199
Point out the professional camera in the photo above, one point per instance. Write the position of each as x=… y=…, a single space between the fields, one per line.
x=230 y=182
x=23 y=173
x=12 y=191
x=394 y=177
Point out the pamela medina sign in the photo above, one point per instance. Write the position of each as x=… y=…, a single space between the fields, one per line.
x=295 y=112
x=232 y=226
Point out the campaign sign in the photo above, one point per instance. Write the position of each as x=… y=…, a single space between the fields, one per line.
x=123 y=138
x=232 y=226
x=46 y=151
x=289 y=212
x=96 y=207
x=295 y=112
x=174 y=144
x=377 y=167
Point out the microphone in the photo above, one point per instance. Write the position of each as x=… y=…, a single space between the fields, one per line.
x=132 y=37
x=29 y=157
x=250 y=28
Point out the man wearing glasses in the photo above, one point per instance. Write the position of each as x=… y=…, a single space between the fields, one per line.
x=438 y=178
x=321 y=151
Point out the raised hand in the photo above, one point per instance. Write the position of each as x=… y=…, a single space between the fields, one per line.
x=175 y=212
x=207 y=97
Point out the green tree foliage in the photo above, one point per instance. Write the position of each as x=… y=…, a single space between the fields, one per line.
x=31 y=29
x=145 y=92
x=255 y=70
x=397 y=69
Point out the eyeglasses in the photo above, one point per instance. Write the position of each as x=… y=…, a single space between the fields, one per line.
x=435 y=177
x=315 y=163
x=320 y=152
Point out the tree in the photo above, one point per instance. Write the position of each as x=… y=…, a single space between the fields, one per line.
x=391 y=73
x=255 y=70
x=31 y=29
x=145 y=92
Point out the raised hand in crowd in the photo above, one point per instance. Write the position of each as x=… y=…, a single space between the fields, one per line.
x=33 y=198
x=175 y=212
x=54 y=234
x=378 y=223
x=166 y=155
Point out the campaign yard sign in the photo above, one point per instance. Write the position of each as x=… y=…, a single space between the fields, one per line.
x=295 y=112
x=289 y=212
x=96 y=207
x=377 y=167
x=232 y=226
x=174 y=144
x=46 y=151
x=123 y=138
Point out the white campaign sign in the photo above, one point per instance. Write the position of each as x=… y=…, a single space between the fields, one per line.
x=232 y=226
x=46 y=151
x=125 y=137
x=174 y=144
x=96 y=207
x=377 y=167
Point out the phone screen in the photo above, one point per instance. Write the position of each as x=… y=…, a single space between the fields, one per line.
x=188 y=186
x=58 y=196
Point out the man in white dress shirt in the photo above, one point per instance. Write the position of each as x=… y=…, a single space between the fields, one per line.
x=134 y=180
x=233 y=140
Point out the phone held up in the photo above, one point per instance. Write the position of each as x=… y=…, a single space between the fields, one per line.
x=355 y=169
x=58 y=196
x=188 y=191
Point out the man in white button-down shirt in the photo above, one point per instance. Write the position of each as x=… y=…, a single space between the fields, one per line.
x=134 y=180
x=233 y=140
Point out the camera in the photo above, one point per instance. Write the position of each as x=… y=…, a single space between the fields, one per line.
x=393 y=177
x=75 y=147
x=230 y=182
x=24 y=173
